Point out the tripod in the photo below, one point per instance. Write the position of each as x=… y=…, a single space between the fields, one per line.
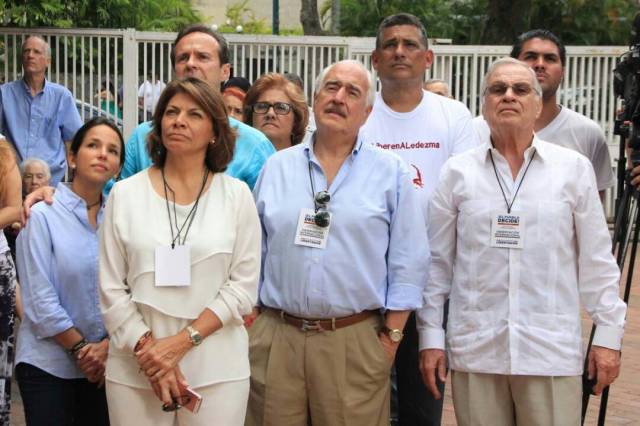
x=627 y=222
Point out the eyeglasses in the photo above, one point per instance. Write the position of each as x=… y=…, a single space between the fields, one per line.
x=518 y=89
x=177 y=403
x=280 y=108
x=322 y=218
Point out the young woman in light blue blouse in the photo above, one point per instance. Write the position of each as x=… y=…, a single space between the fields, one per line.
x=62 y=348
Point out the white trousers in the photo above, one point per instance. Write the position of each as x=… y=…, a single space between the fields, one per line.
x=222 y=404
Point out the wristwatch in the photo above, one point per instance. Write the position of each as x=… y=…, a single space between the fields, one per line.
x=194 y=335
x=394 y=334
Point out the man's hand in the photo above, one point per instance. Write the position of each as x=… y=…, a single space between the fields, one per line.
x=250 y=318
x=604 y=364
x=44 y=193
x=389 y=346
x=433 y=361
x=635 y=177
x=161 y=356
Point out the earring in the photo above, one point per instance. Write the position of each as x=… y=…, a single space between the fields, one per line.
x=212 y=141
x=73 y=167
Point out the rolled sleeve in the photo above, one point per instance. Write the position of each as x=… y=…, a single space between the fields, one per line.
x=40 y=298
x=238 y=295
x=408 y=255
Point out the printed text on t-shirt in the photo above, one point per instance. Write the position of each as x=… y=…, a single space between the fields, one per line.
x=407 y=145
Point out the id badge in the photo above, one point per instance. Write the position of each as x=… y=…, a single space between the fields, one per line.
x=507 y=230
x=173 y=266
x=309 y=234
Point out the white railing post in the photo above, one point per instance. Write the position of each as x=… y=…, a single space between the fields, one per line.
x=129 y=82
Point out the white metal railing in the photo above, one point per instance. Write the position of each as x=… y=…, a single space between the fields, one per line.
x=83 y=59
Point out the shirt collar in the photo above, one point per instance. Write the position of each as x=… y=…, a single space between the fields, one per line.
x=28 y=89
x=70 y=200
x=309 y=142
x=536 y=146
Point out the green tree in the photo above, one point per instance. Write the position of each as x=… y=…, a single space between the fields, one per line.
x=579 y=22
x=158 y=15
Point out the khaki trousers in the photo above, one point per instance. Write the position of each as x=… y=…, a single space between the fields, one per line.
x=505 y=400
x=222 y=404
x=331 y=378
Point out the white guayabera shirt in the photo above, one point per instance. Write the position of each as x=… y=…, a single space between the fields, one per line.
x=517 y=311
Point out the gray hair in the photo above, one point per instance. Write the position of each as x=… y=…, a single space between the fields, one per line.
x=508 y=61
x=47 y=48
x=370 y=95
x=436 y=80
x=33 y=160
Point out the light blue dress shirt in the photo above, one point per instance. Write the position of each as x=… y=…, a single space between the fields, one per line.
x=377 y=253
x=57 y=258
x=37 y=126
x=252 y=149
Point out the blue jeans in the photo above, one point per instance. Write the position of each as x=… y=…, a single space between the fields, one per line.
x=52 y=401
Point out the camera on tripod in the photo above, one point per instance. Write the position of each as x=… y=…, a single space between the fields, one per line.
x=626 y=85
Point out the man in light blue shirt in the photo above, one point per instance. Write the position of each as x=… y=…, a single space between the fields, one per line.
x=345 y=257
x=201 y=52
x=39 y=117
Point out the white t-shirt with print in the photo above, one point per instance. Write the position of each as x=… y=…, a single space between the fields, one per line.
x=424 y=138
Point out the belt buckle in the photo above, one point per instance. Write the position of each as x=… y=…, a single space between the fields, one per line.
x=311 y=325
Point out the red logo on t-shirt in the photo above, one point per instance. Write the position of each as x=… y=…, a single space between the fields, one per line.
x=417 y=181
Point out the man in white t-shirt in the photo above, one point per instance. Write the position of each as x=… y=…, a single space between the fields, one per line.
x=546 y=55
x=424 y=129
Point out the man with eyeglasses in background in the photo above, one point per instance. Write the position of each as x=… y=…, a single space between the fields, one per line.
x=424 y=129
x=345 y=257
x=519 y=240
x=545 y=53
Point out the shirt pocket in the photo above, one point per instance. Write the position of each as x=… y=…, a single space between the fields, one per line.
x=553 y=223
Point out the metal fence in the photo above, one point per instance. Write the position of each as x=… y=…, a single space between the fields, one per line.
x=84 y=60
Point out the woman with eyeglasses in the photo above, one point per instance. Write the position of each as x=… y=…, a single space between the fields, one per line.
x=62 y=349
x=179 y=267
x=276 y=106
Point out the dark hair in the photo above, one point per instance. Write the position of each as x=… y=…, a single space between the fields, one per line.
x=78 y=138
x=516 y=50
x=239 y=82
x=103 y=86
x=223 y=47
x=402 y=19
x=294 y=93
x=220 y=153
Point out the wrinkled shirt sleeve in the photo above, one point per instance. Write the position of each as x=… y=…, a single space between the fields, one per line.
x=121 y=316
x=598 y=274
x=238 y=295
x=408 y=254
x=443 y=217
x=35 y=259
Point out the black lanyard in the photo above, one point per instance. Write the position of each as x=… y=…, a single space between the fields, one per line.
x=513 y=200
x=190 y=216
x=313 y=188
